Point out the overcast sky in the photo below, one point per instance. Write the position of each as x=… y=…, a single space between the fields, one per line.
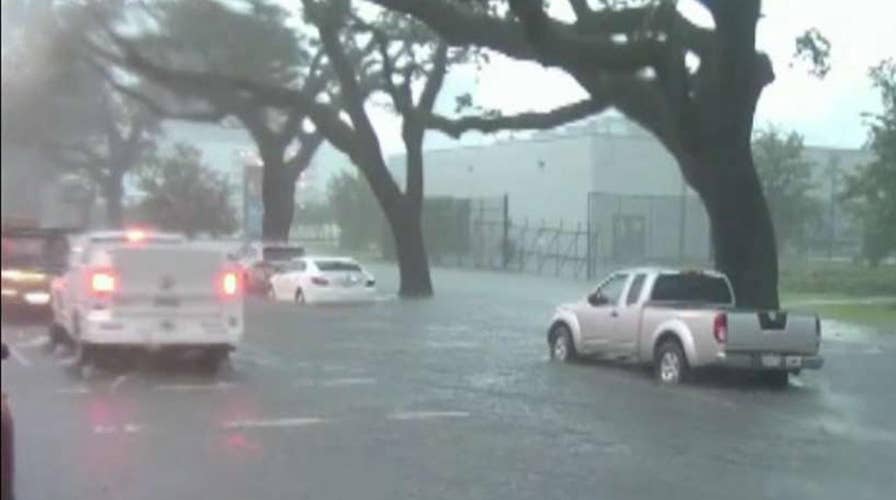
x=827 y=112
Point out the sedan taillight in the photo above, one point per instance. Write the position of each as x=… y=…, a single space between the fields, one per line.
x=320 y=281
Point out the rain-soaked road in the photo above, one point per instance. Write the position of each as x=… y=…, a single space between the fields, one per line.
x=449 y=398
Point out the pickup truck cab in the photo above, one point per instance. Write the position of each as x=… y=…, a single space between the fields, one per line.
x=677 y=321
x=138 y=290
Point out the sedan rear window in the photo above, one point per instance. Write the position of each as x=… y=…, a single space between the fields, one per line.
x=700 y=288
x=337 y=265
x=273 y=254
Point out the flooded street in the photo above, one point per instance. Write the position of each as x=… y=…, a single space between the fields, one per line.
x=449 y=398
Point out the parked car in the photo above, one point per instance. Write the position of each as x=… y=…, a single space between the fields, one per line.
x=136 y=290
x=322 y=279
x=260 y=260
x=7 y=458
x=678 y=321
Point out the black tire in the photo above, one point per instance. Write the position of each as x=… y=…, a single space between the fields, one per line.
x=776 y=379
x=56 y=335
x=561 y=346
x=670 y=365
x=300 y=297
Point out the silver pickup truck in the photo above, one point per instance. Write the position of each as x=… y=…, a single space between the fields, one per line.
x=677 y=321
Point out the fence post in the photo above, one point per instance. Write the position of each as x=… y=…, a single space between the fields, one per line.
x=505 y=237
x=589 y=244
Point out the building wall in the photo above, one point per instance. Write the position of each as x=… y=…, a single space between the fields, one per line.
x=545 y=180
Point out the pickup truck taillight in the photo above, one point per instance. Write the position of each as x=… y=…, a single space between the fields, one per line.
x=720 y=328
x=103 y=282
x=229 y=283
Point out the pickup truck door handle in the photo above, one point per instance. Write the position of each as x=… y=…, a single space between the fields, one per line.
x=614 y=313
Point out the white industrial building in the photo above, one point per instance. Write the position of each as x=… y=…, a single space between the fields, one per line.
x=640 y=207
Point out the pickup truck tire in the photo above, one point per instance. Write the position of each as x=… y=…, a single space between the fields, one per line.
x=776 y=379
x=561 y=345
x=56 y=336
x=670 y=365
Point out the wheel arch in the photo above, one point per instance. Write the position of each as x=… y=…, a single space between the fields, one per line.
x=569 y=320
x=677 y=330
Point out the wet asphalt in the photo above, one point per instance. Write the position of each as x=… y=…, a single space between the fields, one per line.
x=449 y=398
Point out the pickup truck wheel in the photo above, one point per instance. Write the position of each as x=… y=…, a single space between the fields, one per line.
x=670 y=364
x=776 y=379
x=562 y=347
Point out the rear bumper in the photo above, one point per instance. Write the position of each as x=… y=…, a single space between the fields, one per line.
x=754 y=361
x=340 y=295
x=32 y=299
x=159 y=333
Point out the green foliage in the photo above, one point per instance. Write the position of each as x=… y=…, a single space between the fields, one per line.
x=814 y=48
x=183 y=195
x=355 y=211
x=786 y=179
x=871 y=191
x=838 y=278
x=246 y=38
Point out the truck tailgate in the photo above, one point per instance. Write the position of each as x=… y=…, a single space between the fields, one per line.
x=179 y=280
x=773 y=332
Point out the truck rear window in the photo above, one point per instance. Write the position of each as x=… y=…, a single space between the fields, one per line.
x=699 y=288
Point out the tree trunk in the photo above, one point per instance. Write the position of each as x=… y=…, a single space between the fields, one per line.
x=278 y=198
x=413 y=266
x=742 y=232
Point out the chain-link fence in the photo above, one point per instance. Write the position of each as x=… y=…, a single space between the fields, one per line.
x=660 y=229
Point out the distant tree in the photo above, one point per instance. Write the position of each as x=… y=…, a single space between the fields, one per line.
x=355 y=211
x=184 y=195
x=786 y=178
x=126 y=136
x=237 y=39
x=872 y=190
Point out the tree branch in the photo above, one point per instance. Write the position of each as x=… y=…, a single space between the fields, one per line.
x=521 y=121
x=436 y=78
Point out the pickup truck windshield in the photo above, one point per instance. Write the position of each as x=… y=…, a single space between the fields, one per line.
x=699 y=288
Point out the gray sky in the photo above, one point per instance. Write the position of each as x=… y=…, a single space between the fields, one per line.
x=827 y=112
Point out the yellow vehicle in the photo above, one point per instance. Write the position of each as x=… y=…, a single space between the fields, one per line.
x=31 y=257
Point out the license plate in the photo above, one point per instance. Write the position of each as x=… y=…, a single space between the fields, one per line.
x=167 y=301
x=793 y=361
x=770 y=360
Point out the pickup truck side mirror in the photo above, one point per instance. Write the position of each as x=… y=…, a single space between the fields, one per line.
x=597 y=299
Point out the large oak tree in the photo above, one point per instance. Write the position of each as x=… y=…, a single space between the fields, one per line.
x=637 y=60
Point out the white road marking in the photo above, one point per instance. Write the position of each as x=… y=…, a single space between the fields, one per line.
x=73 y=390
x=424 y=415
x=273 y=423
x=16 y=355
x=114 y=429
x=339 y=382
x=35 y=342
x=220 y=386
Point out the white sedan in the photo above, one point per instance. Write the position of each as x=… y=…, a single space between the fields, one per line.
x=322 y=279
